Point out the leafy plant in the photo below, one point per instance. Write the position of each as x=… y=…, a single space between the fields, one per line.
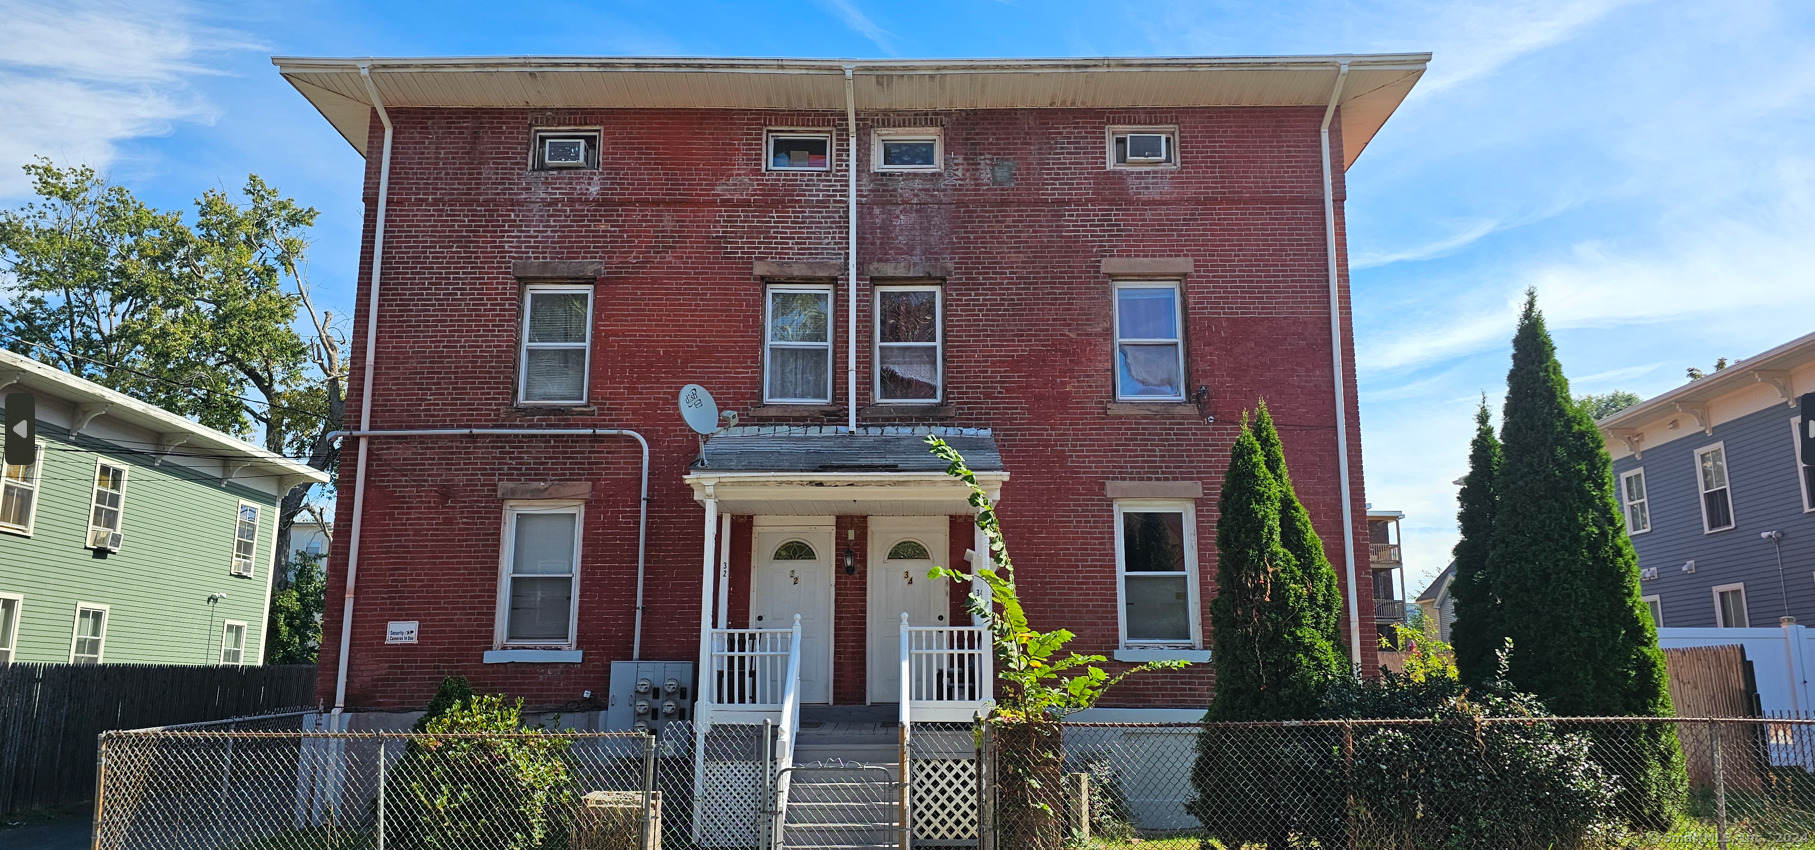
x=1427 y=656
x=295 y=622
x=482 y=778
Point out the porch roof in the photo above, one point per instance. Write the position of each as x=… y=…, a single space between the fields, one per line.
x=825 y=471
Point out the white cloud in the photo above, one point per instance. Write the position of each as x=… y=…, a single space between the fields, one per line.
x=1473 y=40
x=77 y=81
x=854 y=18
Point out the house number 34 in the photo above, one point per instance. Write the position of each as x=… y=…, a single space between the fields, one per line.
x=908 y=575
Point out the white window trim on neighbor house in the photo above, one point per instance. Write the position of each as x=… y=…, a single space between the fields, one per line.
x=1655 y=602
x=524 y=346
x=227 y=627
x=9 y=638
x=250 y=560
x=1169 y=648
x=1170 y=131
x=505 y=649
x=36 y=488
x=883 y=135
x=1177 y=340
x=938 y=343
x=75 y=630
x=769 y=343
x=1702 y=494
x=1720 y=611
x=1643 y=502
x=1803 y=481
x=773 y=133
x=94 y=497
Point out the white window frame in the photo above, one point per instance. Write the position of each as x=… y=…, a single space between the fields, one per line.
x=524 y=345
x=1627 y=505
x=11 y=640
x=773 y=133
x=501 y=628
x=244 y=636
x=1720 y=612
x=75 y=633
x=1655 y=603
x=1701 y=495
x=1138 y=506
x=1178 y=341
x=540 y=136
x=938 y=343
x=1170 y=131
x=830 y=345
x=233 y=563
x=37 y=491
x=883 y=135
x=1803 y=484
x=94 y=492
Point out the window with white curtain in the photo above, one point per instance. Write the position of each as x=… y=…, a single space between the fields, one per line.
x=908 y=341
x=1150 y=351
x=797 y=354
x=541 y=574
x=556 y=344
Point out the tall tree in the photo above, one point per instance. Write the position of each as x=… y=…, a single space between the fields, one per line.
x=1477 y=633
x=198 y=319
x=1324 y=599
x=1567 y=579
x=1608 y=403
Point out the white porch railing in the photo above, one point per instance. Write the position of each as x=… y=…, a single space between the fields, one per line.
x=749 y=668
x=947 y=673
x=786 y=730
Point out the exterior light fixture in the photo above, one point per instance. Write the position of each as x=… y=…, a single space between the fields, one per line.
x=850 y=561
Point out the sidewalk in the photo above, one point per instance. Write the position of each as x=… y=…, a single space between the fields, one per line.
x=70 y=833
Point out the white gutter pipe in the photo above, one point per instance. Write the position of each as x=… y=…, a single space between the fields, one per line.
x=365 y=404
x=850 y=114
x=636 y=645
x=1342 y=407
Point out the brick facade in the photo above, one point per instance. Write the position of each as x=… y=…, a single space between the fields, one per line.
x=678 y=214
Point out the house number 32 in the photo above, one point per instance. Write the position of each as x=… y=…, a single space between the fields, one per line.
x=794 y=576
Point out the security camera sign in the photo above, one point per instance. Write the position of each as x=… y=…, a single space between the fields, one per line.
x=400 y=631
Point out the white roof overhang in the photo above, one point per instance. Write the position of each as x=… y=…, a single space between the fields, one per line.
x=834 y=493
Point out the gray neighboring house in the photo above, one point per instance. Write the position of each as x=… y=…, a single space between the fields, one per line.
x=1719 y=506
x=1437 y=604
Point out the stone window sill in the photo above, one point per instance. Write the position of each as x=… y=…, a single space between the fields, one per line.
x=551 y=410
x=876 y=412
x=790 y=411
x=532 y=656
x=1195 y=656
x=1170 y=409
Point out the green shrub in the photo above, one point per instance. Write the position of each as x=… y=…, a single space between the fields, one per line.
x=482 y=779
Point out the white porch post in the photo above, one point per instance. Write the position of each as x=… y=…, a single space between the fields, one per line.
x=707 y=573
x=724 y=571
x=980 y=545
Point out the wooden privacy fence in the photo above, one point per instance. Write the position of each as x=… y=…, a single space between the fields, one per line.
x=51 y=715
x=1718 y=681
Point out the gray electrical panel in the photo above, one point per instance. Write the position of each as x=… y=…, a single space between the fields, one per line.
x=649 y=695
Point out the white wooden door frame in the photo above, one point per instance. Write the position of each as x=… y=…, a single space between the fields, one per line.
x=818 y=530
x=932 y=532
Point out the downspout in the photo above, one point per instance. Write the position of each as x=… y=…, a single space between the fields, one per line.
x=365 y=402
x=850 y=115
x=1342 y=411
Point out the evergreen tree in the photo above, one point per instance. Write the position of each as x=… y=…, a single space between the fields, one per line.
x=1565 y=573
x=1477 y=633
x=1299 y=538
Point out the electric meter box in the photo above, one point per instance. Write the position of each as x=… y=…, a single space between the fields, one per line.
x=649 y=695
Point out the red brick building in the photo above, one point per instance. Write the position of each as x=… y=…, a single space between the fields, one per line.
x=1083 y=271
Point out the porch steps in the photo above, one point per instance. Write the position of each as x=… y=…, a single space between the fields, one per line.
x=836 y=807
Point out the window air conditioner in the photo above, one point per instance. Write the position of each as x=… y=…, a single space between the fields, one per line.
x=564 y=153
x=1146 y=147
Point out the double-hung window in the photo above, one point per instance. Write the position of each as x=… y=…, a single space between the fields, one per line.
x=1656 y=605
x=540 y=593
x=1150 y=351
x=908 y=340
x=797 y=354
x=1717 y=496
x=90 y=636
x=556 y=345
x=1156 y=567
x=1730 y=606
x=245 y=539
x=1632 y=495
x=12 y=605
x=109 y=502
x=233 y=642
x=19 y=494
x=1805 y=472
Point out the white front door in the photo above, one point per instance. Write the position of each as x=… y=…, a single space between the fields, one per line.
x=791 y=574
x=902 y=550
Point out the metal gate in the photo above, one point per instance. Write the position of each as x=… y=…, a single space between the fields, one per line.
x=835 y=804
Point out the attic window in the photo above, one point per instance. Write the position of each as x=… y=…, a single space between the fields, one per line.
x=799 y=152
x=1143 y=147
x=564 y=149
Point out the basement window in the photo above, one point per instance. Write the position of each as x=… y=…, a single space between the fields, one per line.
x=564 y=149
x=790 y=151
x=1143 y=147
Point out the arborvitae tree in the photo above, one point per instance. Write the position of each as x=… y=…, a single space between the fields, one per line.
x=1477 y=633
x=1299 y=538
x=1567 y=579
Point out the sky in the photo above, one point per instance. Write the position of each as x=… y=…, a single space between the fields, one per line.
x=1645 y=164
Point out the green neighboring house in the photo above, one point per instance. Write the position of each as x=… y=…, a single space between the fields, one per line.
x=138 y=536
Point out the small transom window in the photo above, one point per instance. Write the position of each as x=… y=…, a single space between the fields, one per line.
x=799 y=152
x=795 y=550
x=909 y=550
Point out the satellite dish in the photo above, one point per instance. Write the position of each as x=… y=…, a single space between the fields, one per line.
x=698 y=408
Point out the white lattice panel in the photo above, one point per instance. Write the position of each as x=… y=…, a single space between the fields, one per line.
x=728 y=804
x=945 y=801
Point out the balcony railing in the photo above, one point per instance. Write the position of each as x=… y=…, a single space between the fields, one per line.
x=1389 y=610
x=1383 y=553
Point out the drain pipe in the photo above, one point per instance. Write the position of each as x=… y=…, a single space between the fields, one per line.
x=850 y=115
x=365 y=404
x=636 y=645
x=1342 y=412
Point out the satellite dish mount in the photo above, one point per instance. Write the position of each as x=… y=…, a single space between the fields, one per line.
x=702 y=415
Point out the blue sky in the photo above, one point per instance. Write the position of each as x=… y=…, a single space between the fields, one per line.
x=1646 y=165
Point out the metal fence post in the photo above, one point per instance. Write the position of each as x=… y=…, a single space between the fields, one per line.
x=100 y=790
x=382 y=783
x=1348 y=783
x=986 y=787
x=648 y=790
x=1720 y=786
x=766 y=808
